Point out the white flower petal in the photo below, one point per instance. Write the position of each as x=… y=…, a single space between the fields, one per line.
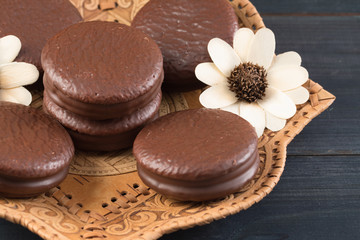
x=255 y=115
x=299 y=95
x=277 y=103
x=242 y=41
x=262 y=49
x=287 y=58
x=7 y=97
x=274 y=123
x=217 y=96
x=21 y=94
x=17 y=74
x=286 y=78
x=9 y=48
x=209 y=74
x=233 y=108
x=223 y=55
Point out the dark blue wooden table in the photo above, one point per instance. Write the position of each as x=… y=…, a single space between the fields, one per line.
x=318 y=196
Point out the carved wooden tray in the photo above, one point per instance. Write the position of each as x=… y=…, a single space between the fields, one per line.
x=103 y=197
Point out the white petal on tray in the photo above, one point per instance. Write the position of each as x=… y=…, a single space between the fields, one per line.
x=299 y=95
x=287 y=58
x=17 y=74
x=209 y=74
x=218 y=96
x=21 y=94
x=242 y=41
x=223 y=55
x=274 y=123
x=277 y=103
x=233 y=108
x=9 y=48
x=7 y=97
x=287 y=78
x=255 y=115
x=262 y=49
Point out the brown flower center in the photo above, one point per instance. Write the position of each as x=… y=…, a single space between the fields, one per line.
x=248 y=81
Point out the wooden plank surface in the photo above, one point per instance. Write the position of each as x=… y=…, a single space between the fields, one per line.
x=330 y=48
x=321 y=7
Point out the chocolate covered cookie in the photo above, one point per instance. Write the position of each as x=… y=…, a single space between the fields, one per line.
x=197 y=154
x=182 y=29
x=102 y=70
x=34 y=22
x=102 y=82
x=35 y=151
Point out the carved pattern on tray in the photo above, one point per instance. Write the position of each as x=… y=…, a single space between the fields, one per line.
x=120 y=205
x=40 y=215
x=122 y=11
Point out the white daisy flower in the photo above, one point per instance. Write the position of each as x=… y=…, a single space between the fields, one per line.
x=250 y=81
x=13 y=75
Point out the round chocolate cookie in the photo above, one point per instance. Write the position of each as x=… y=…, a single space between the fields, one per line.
x=102 y=70
x=35 y=151
x=103 y=135
x=182 y=29
x=34 y=22
x=197 y=155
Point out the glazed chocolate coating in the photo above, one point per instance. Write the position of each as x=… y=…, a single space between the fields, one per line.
x=182 y=29
x=100 y=111
x=34 y=22
x=105 y=135
x=201 y=190
x=20 y=188
x=105 y=143
x=197 y=154
x=34 y=148
x=102 y=63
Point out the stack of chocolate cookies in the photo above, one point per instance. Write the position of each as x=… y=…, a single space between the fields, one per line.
x=102 y=82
